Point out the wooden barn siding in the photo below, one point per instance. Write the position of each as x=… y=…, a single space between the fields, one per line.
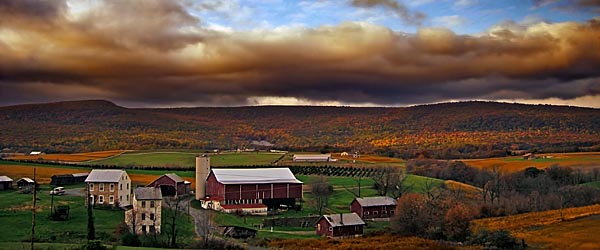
x=324 y=228
x=356 y=208
x=214 y=189
x=262 y=191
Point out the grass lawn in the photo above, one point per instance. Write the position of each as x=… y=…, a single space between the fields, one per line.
x=595 y=184
x=187 y=159
x=15 y=210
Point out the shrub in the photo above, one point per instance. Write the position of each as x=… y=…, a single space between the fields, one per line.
x=501 y=239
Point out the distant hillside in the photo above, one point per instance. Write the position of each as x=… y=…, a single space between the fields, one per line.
x=449 y=130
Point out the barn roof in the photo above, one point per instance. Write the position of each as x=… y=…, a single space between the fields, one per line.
x=147 y=193
x=26 y=180
x=312 y=156
x=376 y=201
x=254 y=175
x=5 y=178
x=80 y=174
x=104 y=175
x=174 y=177
x=337 y=220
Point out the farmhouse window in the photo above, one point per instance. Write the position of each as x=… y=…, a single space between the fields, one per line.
x=143 y=216
x=91 y=186
x=127 y=185
x=318 y=227
x=120 y=186
x=111 y=199
x=152 y=229
x=144 y=228
x=112 y=187
x=101 y=199
x=127 y=196
x=151 y=216
x=101 y=187
x=151 y=203
x=120 y=198
x=331 y=229
x=143 y=204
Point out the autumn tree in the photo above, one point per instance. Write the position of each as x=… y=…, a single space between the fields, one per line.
x=176 y=207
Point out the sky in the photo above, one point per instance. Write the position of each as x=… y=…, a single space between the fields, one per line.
x=181 y=53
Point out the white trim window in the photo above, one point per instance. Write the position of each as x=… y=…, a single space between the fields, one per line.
x=111 y=199
x=101 y=199
x=101 y=187
x=112 y=187
x=92 y=187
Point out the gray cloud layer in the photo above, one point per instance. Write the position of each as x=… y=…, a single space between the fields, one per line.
x=157 y=53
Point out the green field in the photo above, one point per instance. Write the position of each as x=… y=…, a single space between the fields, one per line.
x=187 y=159
x=15 y=210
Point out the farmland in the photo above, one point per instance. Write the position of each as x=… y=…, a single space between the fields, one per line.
x=517 y=163
x=573 y=228
x=79 y=157
x=187 y=159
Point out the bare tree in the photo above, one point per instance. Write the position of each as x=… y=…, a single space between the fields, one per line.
x=206 y=226
x=175 y=209
x=321 y=190
x=389 y=181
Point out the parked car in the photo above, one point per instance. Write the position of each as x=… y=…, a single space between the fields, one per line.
x=57 y=191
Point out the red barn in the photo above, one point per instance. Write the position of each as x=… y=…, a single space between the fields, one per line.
x=373 y=207
x=251 y=190
x=171 y=185
x=340 y=225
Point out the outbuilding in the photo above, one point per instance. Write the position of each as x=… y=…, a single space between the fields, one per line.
x=25 y=184
x=68 y=179
x=374 y=207
x=171 y=185
x=312 y=158
x=340 y=225
x=5 y=182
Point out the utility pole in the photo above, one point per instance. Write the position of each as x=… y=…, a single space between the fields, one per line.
x=33 y=212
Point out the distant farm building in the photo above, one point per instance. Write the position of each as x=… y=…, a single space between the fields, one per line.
x=25 y=184
x=36 y=153
x=68 y=179
x=340 y=225
x=171 y=185
x=373 y=207
x=145 y=215
x=344 y=154
x=529 y=156
x=109 y=187
x=249 y=190
x=312 y=158
x=5 y=182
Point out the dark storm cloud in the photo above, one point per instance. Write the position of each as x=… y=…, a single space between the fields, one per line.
x=400 y=9
x=157 y=54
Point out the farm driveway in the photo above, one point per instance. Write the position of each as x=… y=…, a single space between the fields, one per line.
x=74 y=191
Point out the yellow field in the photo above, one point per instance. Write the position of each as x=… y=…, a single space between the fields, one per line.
x=517 y=163
x=44 y=174
x=79 y=157
x=576 y=228
x=470 y=192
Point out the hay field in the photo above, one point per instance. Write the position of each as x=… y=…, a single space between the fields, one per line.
x=517 y=163
x=78 y=157
x=576 y=229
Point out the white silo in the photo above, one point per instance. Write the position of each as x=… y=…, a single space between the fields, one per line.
x=202 y=171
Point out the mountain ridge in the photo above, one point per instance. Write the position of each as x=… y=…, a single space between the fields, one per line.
x=445 y=130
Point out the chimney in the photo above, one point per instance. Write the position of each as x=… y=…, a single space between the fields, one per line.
x=342 y=218
x=202 y=171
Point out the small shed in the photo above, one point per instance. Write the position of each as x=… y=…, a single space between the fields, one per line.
x=25 y=183
x=5 y=182
x=68 y=179
x=373 y=207
x=340 y=225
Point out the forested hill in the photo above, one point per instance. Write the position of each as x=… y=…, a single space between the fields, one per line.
x=448 y=130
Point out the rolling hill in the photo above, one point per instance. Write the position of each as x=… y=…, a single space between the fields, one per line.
x=447 y=130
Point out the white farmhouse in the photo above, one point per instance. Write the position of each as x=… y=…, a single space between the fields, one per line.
x=145 y=215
